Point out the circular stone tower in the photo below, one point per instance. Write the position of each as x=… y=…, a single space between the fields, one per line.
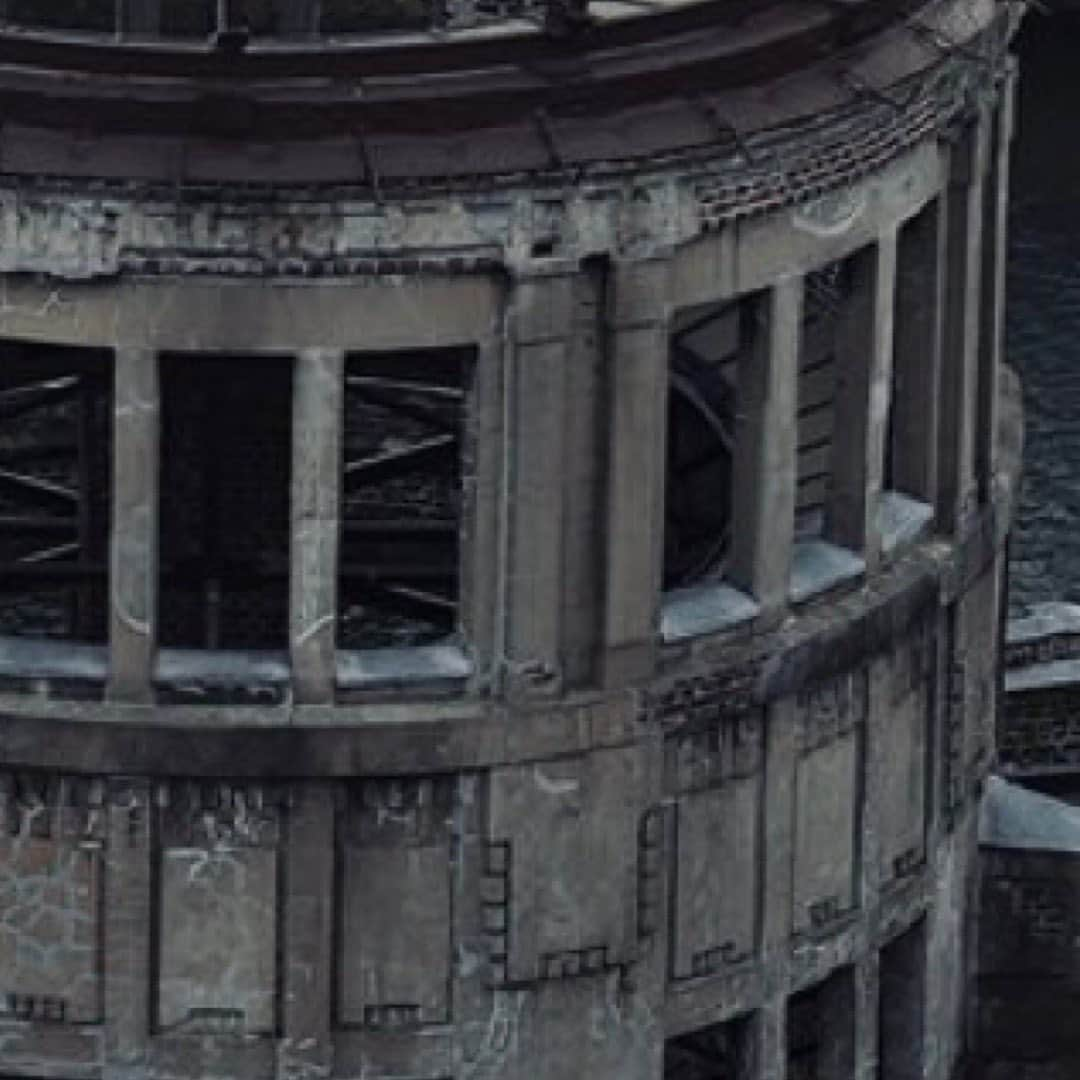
x=501 y=510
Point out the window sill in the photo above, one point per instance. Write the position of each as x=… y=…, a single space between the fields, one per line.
x=703 y=609
x=234 y=676
x=817 y=566
x=432 y=666
x=77 y=669
x=902 y=521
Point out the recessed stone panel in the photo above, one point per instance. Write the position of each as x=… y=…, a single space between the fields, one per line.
x=50 y=921
x=716 y=878
x=218 y=919
x=829 y=730
x=567 y=833
x=395 y=958
x=899 y=720
x=395 y=913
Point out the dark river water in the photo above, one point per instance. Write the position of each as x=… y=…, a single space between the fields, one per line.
x=1043 y=313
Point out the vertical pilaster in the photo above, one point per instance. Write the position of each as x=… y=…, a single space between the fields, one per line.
x=992 y=309
x=917 y=352
x=863 y=378
x=637 y=323
x=536 y=381
x=483 y=494
x=957 y=494
x=128 y=944
x=318 y=393
x=769 y=1030
x=305 y=1051
x=765 y=448
x=134 y=545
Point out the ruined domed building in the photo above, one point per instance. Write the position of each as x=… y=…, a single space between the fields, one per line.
x=501 y=511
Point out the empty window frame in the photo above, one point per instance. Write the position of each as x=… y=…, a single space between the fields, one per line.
x=821 y=1030
x=403 y=457
x=226 y=451
x=826 y=291
x=364 y=16
x=902 y=1005
x=88 y=15
x=55 y=473
x=717 y=1052
x=707 y=346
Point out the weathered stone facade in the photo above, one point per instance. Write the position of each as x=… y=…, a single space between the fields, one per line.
x=600 y=812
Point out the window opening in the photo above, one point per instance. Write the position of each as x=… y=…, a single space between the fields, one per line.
x=826 y=291
x=55 y=471
x=901 y=1005
x=717 y=1052
x=224 y=516
x=821 y=1030
x=91 y=15
x=403 y=446
x=188 y=18
x=702 y=395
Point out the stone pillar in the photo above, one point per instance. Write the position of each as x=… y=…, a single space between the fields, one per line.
x=957 y=495
x=536 y=380
x=318 y=395
x=128 y=966
x=637 y=324
x=306 y=1051
x=134 y=546
x=765 y=448
x=769 y=1027
x=992 y=311
x=917 y=352
x=863 y=378
x=585 y=454
x=483 y=496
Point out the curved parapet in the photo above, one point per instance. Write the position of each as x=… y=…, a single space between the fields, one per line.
x=501 y=533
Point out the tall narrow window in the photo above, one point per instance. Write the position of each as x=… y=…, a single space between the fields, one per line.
x=224 y=519
x=706 y=348
x=55 y=455
x=405 y=418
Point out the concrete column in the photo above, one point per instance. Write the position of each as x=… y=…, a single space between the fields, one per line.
x=768 y=1033
x=134 y=545
x=765 y=448
x=637 y=325
x=535 y=388
x=306 y=1048
x=957 y=494
x=863 y=379
x=992 y=310
x=483 y=492
x=586 y=456
x=917 y=351
x=318 y=395
x=127 y=959
x=866 y=1034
